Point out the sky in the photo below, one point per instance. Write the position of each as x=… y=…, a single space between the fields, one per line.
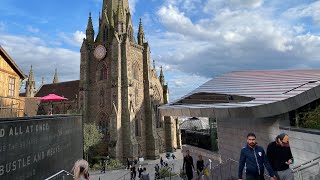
x=194 y=40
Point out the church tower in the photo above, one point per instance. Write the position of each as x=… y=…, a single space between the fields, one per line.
x=30 y=84
x=118 y=91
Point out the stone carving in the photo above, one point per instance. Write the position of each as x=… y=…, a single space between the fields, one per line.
x=114 y=82
x=102 y=98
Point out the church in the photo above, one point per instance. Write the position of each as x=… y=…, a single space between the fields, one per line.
x=119 y=87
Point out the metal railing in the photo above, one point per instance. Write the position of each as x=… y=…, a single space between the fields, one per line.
x=61 y=175
x=11 y=107
x=308 y=170
x=125 y=176
x=227 y=170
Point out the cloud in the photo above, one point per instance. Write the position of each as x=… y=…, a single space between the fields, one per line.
x=132 y=5
x=232 y=39
x=306 y=10
x=26 y=51
x=3 y=26
x=32 y=29
x=74 y=39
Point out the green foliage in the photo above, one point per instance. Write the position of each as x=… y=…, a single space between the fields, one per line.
x=91 y=135
x=113 y=163
x=311 y=119
x=166 y=172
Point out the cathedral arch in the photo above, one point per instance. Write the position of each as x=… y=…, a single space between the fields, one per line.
x=137 y=125
x=105 y=33
x=135 y=71
x=103 y=124
x=102 y=72
x=130 y=33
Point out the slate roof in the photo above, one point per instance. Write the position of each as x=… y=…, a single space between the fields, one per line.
x=68 y=89
x=256 y=93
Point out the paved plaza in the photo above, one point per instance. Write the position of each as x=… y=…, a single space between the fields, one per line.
x=149 y=164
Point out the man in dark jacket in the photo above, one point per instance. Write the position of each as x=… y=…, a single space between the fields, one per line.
x=253 y=157
x=188 y=165
x=280 y=157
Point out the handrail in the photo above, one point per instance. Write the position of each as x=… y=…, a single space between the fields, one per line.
x=62 y=171
x=232 y=160
x=302 y=166
x=124 y=175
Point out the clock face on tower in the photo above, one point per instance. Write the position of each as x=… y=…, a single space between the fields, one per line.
x=99 y=52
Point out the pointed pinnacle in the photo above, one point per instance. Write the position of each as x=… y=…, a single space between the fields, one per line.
x=140 y=26
x=30 y=78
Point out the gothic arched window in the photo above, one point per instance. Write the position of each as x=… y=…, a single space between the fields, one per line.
x=135 y=72
x=102 y=72
x=103 y=124
x=105 y=34
x=136 y=96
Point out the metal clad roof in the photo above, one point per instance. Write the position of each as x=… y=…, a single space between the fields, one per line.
x=265 y=87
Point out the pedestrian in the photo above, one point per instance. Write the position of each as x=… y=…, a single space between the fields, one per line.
x=80 y=170
x=128 y=163
x=280 y=157
x=103 y=165
x=145 y=175
x=140 y=170
x=188 y=165
x=254 y=158
x=161 y=161
x=134 y=171
x=157 y=170
x=173 y=156
x=200 y=165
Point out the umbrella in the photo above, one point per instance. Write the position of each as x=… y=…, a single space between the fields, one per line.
x=51 y=98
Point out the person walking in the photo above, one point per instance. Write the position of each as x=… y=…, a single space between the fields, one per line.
x=280 y=157
x=161 y=161
x=81 y=170
x=103 y=165
x=188 y=165
x=140 y=170
x=128 y=164
x=145 y=175
x=133 y=172
x=200 y=165
x=254 y=158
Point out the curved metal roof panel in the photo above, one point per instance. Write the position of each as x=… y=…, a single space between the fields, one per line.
x=277 y=90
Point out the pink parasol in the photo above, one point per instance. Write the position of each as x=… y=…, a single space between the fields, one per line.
x=51 y=98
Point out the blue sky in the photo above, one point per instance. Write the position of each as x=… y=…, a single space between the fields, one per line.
x=194 y=40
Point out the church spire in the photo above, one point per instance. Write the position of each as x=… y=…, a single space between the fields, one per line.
x=161 y=77
x=120 y=20
x=55 y=78
x=42 y=81
x=120 y=16
x=31 y=78
x=90 y=30
x=30 y=84
x=154 y=64
x=140 y=34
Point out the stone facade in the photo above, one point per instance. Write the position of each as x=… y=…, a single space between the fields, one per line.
x=119 y=90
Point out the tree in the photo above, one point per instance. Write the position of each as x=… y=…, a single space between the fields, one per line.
x=312 y=119
x=92 y=136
